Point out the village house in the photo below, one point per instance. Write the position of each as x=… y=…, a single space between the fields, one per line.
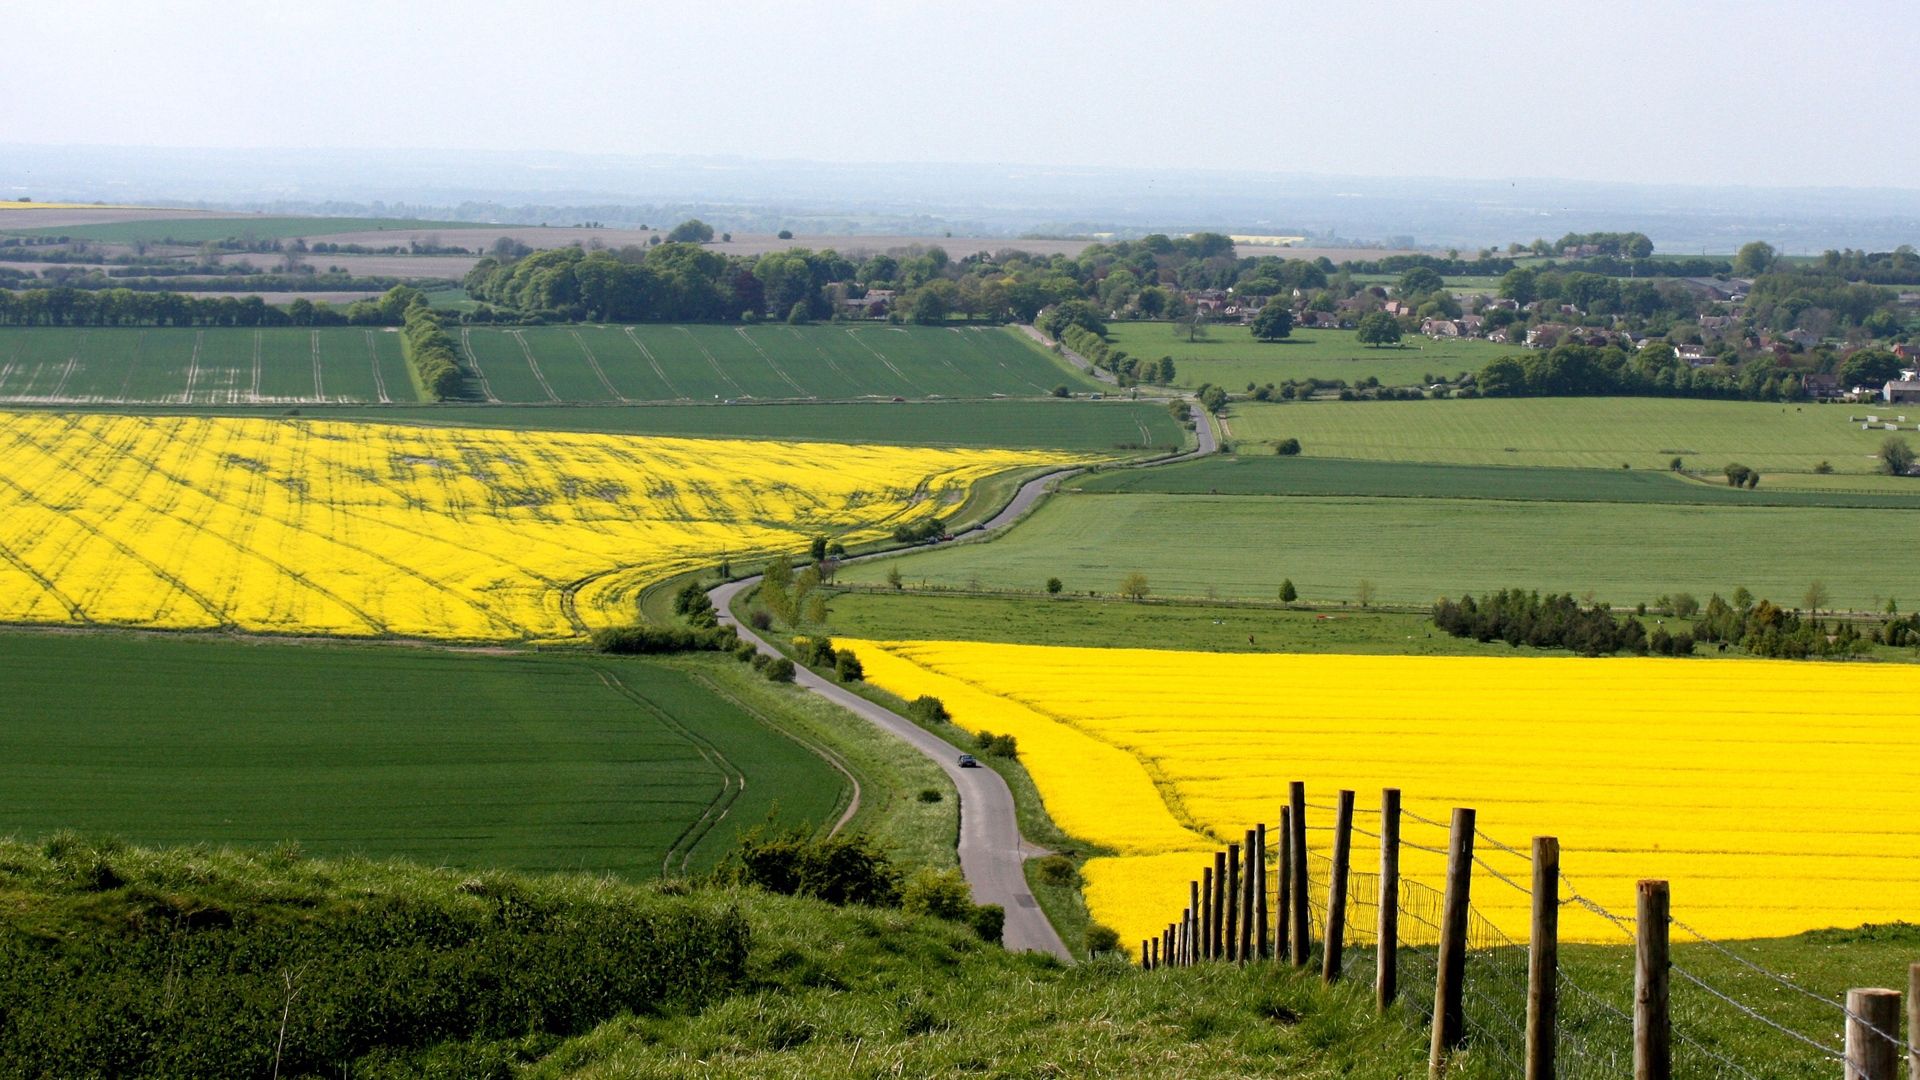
x=1440 y=328
x=1695 y=355
x=1819 y=385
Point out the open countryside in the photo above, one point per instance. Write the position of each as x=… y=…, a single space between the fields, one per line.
x=1715 y=776
x=304 y=527
x=586 y=364
x=1227 y=356
x=1413 y=550
x=530 y=762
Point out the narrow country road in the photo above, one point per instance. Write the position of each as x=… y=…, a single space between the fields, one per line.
x=992 y=853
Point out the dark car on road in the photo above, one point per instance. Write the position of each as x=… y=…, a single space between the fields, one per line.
x=967 y=762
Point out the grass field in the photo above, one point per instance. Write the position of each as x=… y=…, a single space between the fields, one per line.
x=300 y=526
x=1230 y=357
x=539 y=365
x=1232 y=475
x=1596 y=433
x=1113 y=623
x=283 y=365
x=197 y=230
x=708 y=363
x=531 y=762
x=1414 y=550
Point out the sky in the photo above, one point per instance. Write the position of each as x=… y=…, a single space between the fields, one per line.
x=1675 y=91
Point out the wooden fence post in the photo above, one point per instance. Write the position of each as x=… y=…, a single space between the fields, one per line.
x=1652 y=1022
x=1146 y=956
x=1283 y=891
x=1233 y=902
x=1264 y=948
x=1543 y=960
x=1335 y=951
x=1302 y=935
x=1218 y=944
x=1872 y=1055
x=1450 y=980
x=1246 y=900
x=1206 y=913
x=1913 y=1022
x=1386 y=977
x=1193 y=924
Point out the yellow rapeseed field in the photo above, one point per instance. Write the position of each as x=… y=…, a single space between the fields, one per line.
x=1777 y=796
x=306 y=526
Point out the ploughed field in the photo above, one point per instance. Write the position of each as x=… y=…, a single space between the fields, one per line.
x=1718 y=776
x=300 y=526
x=591 y=364
x=537 y=762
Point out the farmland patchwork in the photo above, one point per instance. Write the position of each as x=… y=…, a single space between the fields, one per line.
x=313 y=527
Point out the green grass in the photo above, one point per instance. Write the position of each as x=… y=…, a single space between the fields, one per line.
x=1597 y=433
x=212 y=367
x=1413 y=550
x=1112 y=623
x=1230 y=357
x=596 y=363
x=589 y=364
x=1270 y=475
x=195 y=230
x=526 y=761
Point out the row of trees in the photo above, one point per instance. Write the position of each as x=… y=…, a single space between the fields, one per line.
x=1553 y=622
x=1765 y=629
x=65 y=306
x=431 y=352
x=1571 y=370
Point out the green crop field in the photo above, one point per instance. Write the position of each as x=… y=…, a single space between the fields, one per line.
x=222 y=366
x=525 y=761
x=1109 y=622
x=1236 y=475
x=597 y=363
x=540 y=365
x=195 y=230
x=1230 y=357
x=1600 y=433
x=1413 y=550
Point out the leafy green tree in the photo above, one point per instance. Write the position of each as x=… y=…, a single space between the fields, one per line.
x=1870 y=367
x=1896 y=456
x=1684 y=605
x=1288 y=594
x=1754 y=258
x=1054 y=586
x=1521 y=285
x=1377 y=328
x=929 y=307
x=1273 y=323
x=691 y=231
x=1420 y=281
x=1363 y=591
x=1287 y=447
x=893 y=577
x=1816 y=596
x=1134 y=586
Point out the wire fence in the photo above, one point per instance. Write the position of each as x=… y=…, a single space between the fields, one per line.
x=1730 y=1016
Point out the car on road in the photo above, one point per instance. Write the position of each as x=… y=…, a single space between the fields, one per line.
x=967 y=762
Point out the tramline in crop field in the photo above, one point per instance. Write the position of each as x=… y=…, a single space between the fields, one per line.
x=313 y=527
x=221 y=366
x=1717 y=775
x=592 y=364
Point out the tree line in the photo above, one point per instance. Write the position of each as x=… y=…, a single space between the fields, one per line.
x=65 y=306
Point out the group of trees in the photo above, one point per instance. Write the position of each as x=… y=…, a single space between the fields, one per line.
x=1128 y=369
x=1766 y=629
x=1559 y=621
x=67 y=306
x=1573 y=370
x=431 y=352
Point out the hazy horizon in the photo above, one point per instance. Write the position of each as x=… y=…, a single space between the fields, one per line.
x=1698 y=95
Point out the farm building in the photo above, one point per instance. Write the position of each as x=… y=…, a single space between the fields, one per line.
x=1902 y=390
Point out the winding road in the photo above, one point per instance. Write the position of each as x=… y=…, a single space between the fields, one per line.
x=992 y=851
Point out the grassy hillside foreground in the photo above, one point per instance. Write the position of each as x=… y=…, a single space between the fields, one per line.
x=204 y=963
